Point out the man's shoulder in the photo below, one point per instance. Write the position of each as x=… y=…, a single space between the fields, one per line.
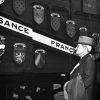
x=91 y=56
x=88 y=59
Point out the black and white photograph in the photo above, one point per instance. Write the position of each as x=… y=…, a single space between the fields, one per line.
x=49 y=49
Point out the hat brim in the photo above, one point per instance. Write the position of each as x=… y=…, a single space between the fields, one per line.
x=85 y=40
x=84 y=43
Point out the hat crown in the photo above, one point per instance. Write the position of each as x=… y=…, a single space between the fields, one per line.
x=84 y=38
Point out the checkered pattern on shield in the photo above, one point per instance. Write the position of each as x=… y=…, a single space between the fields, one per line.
x=19 y=52
x=55 y=21
x=89 y=6
x=70 y=27
x=40 y=58
x=19 y=6
x=38 y=13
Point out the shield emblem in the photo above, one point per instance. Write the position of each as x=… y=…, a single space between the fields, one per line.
x=96 y=37
x=89 y=6
x=40 y=58
x=38 y=13
x=70 y=27
x=83 y=31
x=2 y=45
x=96 y=40
x=19 y=6
x=55 y=21
x=19 y=52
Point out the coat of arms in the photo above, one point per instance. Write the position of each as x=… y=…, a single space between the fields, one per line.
x=55 y=21
x=19 y=52
x=70 y=27
x=2 y=45
x=19 y=6
x=38 y=13
x=40 y=58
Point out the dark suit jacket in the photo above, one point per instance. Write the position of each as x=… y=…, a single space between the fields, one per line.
x=87 y=72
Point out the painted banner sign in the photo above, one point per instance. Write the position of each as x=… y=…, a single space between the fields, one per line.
x=14 y=26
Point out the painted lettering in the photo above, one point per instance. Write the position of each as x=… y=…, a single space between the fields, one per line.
x=57 y=44
x=26 y=30
x=14 y=25
x=52 y=42
x=66 y=48
x=62 y=46
x=1 y=20
x=20 y=28
x=7 y=23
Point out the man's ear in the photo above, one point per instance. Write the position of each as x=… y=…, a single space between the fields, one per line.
x=85 y=47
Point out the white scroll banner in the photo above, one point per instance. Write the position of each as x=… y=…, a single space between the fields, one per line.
x=22 y=29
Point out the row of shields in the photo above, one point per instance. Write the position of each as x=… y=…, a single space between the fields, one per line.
x=55 y=17
x=39 y=17
x=19 y=53
x=19 y=6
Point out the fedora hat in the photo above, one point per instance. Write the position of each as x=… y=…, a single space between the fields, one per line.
x=84 y=38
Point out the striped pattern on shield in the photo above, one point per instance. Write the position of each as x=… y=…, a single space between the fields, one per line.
x=19 y=6
x=38 y=13
x=40 y=58
x=55 y=21
x=19 y=52
x=2 y=45
x=89 y=6
x=70 y=27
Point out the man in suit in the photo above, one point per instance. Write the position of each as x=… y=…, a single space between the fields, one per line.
x=80 y=85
